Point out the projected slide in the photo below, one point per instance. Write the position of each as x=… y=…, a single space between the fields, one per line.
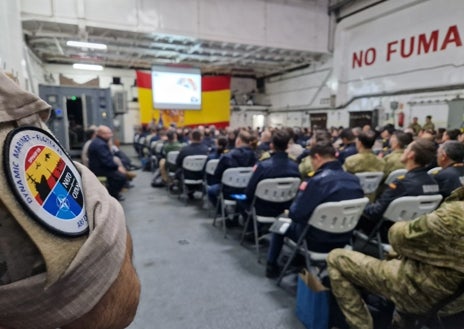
x=176 y=88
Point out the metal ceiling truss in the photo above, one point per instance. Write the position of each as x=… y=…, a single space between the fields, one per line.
x=135 y=50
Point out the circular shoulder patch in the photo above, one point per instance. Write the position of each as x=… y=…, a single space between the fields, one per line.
x=45 y=180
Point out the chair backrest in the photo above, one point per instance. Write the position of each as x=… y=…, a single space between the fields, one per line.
x=211 y=166
x=338 y=217
x=434 y=171
x=172 y=157
x=237 y=177
x=159 y=148
x=278 y=190
x=194 y=162
x=410 y=207
x=395 y=174
x=370 y=180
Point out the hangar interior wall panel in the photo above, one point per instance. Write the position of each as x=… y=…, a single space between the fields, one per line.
x=11 y=44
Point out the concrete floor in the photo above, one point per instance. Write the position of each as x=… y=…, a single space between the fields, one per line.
x=193 y=278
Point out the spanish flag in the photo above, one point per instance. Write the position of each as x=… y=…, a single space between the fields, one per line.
x=215 y=108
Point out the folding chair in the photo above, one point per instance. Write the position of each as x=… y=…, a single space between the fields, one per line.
x=333 y=217
x=404 y=208
x=209 y=171
x=277 y=190
x=236 y=178
x=369 y=181
x=193 y=164
x=394 y=175
x=171 y=158
x=156 y=148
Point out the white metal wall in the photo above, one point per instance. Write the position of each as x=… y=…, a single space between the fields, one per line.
x=11 y=47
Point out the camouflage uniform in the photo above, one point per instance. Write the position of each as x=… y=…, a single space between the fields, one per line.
x=429 y=126
x=416 y=127
x=362 y=162
x=393 y=162
x=429 y=267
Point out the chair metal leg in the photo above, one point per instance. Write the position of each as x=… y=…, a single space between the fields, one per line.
x=287 y=265
x=245 y=228
x=255 y=232
x=298 y=244
x=217 y=210
x=223 y=213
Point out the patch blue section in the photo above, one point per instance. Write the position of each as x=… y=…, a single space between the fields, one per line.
x=61 y=204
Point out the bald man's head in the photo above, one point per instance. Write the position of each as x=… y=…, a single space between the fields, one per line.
x=104 y=132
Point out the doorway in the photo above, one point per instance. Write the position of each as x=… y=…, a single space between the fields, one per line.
x=76 y=122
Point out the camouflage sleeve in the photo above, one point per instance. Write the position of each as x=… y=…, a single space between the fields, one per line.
x=348 y=165
x=434 y=238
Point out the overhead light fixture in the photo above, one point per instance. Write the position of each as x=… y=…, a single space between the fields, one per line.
x=91 y=67
x=90 y=45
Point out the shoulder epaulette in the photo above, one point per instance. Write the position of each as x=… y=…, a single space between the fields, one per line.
x=400 y=177
x=311 y=173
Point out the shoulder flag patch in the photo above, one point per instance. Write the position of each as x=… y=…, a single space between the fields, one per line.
x=45 y=180
x=303 y=186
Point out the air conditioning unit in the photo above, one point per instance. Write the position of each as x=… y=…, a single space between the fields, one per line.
x=119 y=99
x=119 y=102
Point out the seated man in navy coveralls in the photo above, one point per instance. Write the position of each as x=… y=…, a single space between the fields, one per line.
x=195 y=147
x=101 y=162
x=416 y=157
x=278 y=165
x=450 y=157
x=241 y=156
x=349 y=145
x=328 y=183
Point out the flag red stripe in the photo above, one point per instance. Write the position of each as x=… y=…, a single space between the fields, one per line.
x=143 y=79
x=210 y=83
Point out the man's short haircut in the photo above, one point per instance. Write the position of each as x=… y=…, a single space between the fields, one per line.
x=453 y=134
x=245 y=136
x=322 y=135
x=196 y=135
x=324 y=149
x=280 y=139
x=348 y=134
x=454 y=150
x=171 y=134
x=424 y=151
x=429 y=117
x=404 y=139
x=390 y=128
x=291 y=132
x=367 y=139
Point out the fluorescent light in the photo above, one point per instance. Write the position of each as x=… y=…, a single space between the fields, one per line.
x=92 y=67
x=86 y=45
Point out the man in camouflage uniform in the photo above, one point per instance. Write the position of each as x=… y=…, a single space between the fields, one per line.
x=415 y=126
x=365 y=160
x=398 y=142
x=428 y=125
x=427 y=269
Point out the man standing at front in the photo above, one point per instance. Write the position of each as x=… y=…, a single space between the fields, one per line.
x=328 y=183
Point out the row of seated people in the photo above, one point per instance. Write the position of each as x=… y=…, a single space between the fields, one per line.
x=328 y=182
